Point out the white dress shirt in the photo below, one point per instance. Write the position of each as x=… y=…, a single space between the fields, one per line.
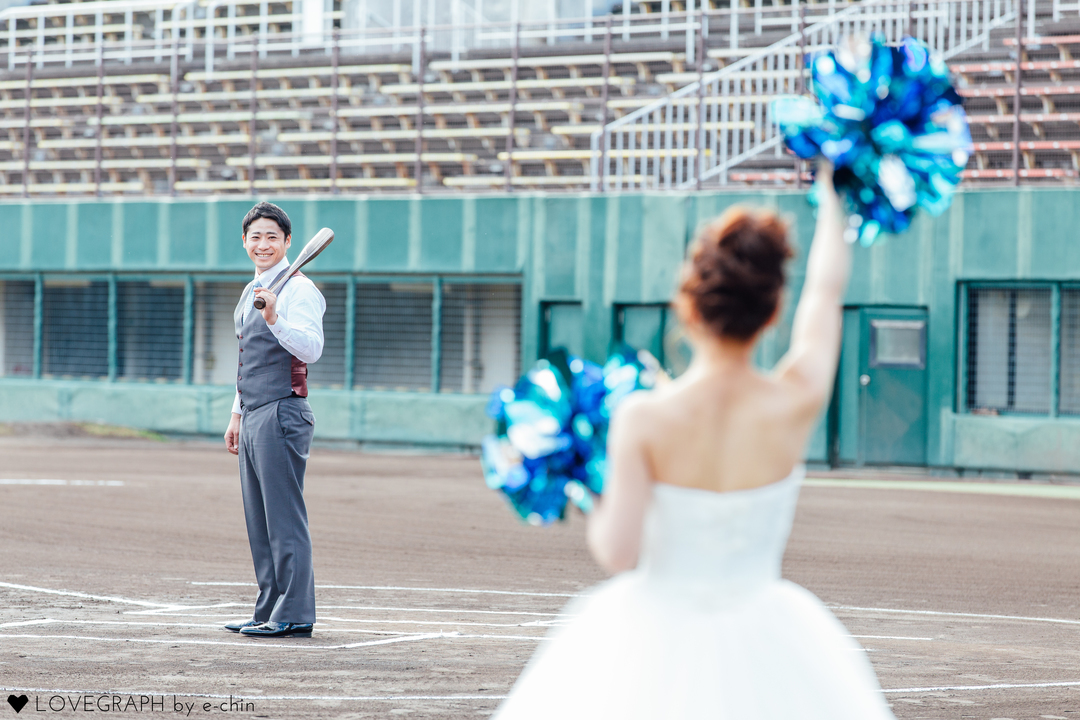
x=300 y=308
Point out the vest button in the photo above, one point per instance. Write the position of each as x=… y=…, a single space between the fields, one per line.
x=241 y=364
x=239 y=378
x=239 y=337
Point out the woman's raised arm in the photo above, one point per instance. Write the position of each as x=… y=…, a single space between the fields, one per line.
x=810 y=362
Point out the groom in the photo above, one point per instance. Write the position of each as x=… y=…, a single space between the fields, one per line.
x=272 y=425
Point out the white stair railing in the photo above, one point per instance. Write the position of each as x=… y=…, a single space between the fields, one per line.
x=701 y=131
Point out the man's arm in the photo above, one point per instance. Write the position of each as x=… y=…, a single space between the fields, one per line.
x=232 y=434
x=300 y=333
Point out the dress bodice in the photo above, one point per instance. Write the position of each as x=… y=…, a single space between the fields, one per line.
x=727 y=544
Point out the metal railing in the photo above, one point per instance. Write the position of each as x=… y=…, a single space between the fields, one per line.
x=143 y=30
x=708 y=127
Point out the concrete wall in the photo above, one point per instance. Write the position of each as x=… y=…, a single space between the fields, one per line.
x=596 y=250
x=374 y=417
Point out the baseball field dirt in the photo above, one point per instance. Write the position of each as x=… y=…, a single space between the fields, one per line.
x=122 y=558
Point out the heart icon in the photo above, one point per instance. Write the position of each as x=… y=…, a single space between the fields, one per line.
x=17 y=702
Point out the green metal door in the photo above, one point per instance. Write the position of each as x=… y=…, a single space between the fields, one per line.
x=878 y=415
x=562 y=325
x=892 y=386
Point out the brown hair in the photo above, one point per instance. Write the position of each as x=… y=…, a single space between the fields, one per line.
x=735 y=273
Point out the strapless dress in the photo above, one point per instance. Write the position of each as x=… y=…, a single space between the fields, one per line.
x=703 y=627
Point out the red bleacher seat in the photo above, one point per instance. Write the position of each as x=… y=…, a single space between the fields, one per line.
x=780 y=176
x=1030 y=145
x=1044 y=40
x=1044 y=65
x=1024 y=117
x=1036 y=91
x=1024 y=173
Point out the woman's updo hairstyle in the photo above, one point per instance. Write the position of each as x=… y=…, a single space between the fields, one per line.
x=735 y=273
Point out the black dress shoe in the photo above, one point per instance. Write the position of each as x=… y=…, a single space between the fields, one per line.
x=238 y=626
x=278 y=629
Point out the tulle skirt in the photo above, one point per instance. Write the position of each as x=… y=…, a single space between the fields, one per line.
x=636 y=650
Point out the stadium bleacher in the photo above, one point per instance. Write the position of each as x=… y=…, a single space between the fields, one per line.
x=239 y=99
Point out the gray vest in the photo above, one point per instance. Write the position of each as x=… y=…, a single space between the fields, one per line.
x=266 y=371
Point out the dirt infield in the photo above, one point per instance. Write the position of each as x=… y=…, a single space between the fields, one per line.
x=122 y=558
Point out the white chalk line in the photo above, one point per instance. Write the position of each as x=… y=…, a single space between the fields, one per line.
x=323 y=608
x=393 y=621
x=443 y=610
x=88 y=596
x=248 y=643
x=250 y=698
x=158 y=609
x=996 y=686
x=432 y=622
x=44 y=481
x=413 y=589
x=985 y=616
x=172 y=609
x=218 y=626
x=215 y=626
x=261 y=642
x=57 y=621
x=889 y=637
x=163 y=608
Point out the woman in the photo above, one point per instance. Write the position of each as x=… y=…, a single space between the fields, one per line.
x=705 y=474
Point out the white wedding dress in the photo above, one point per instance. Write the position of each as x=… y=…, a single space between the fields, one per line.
x=704 y=627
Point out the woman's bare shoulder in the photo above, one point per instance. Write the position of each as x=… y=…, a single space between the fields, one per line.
x=641 y=412
x=635 y=407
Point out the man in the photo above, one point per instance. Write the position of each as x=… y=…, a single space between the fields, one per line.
x=272 y=425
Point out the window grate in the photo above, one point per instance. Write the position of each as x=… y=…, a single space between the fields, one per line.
x=393 y=336
x=150 y=330
x=17 y=328
x=74 y=329
x=1009 y=350
x=329 y=371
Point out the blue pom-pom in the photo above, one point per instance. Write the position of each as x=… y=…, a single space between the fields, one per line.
x=551 y=444
x=892 y=125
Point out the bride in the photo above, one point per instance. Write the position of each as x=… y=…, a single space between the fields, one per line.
x=704 y=477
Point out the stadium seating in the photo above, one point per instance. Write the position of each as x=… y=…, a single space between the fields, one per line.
x=197 y=134
x=1049 y=121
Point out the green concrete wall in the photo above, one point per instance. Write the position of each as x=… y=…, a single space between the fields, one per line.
x=596 y=250
x=373 y=417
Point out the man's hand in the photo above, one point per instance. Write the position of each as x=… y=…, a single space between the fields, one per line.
x=269 y=311
x=232 y=435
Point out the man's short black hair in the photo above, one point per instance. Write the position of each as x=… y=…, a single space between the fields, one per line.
x=271 y=211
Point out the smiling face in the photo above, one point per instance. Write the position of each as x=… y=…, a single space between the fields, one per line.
x=266 y=243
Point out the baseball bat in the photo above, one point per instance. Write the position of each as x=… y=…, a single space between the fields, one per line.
x=315 y=246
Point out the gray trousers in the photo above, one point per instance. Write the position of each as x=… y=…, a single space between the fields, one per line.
x=275 y=440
